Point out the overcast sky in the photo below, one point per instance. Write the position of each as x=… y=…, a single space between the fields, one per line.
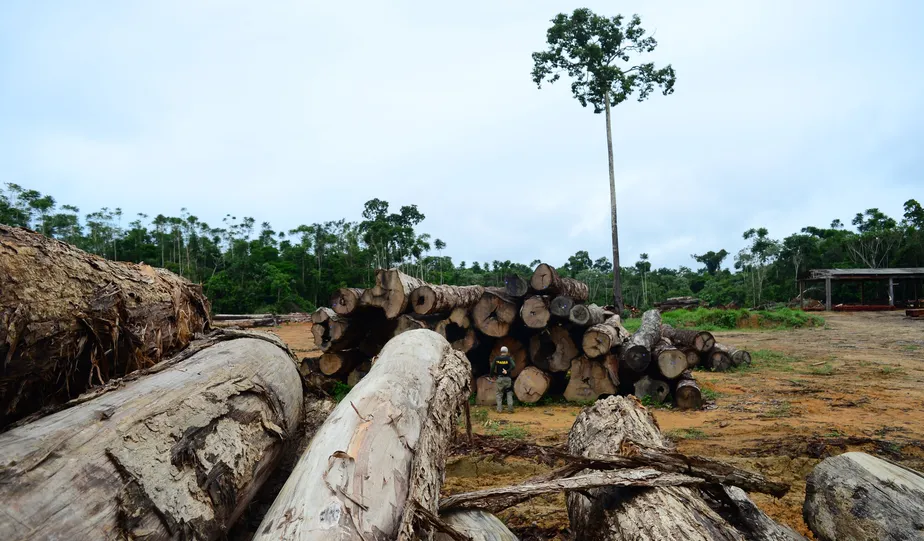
x=785 y=114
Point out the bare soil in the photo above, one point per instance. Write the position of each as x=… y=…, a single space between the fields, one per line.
x=855 y=384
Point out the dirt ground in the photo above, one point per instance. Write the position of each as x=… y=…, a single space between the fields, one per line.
x=855 y=384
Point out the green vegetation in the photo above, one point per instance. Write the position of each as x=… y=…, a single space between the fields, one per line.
x=826 y=369
x=686 y=434
x=709 y=394
x=479 y=416
x=711 y=319
x=782 y=409
x=505 y=430
x=650 y=402
x=340 y=390
x=772 y=360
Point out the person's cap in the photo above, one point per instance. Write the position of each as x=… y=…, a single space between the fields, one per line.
x=503 y=349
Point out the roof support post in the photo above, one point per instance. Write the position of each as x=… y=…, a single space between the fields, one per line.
x=891 y=295
x=828 y=294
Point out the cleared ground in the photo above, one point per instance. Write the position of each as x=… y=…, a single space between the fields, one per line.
x=855 y=384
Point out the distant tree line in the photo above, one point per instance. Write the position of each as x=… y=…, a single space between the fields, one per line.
x=246 y=268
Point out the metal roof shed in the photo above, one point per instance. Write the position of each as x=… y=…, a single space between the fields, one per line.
x=829 y=275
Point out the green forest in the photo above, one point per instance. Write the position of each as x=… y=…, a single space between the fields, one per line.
x=247 y=267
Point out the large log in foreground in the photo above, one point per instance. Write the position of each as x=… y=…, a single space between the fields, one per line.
x=177 y=453
x=432 y=299
x=477 y=525
x=858 y=496
x=381 y=453
x=494 y=313
x=546 y=279
x=392 y=292
x=69 y=319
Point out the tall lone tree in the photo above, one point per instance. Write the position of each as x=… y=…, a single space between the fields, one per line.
x=595 y=52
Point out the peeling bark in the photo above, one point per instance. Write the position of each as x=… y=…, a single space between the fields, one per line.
x=392 y=292
x=432 y=299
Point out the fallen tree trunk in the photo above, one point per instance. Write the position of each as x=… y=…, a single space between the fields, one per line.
x=858 y=496
x=340 y=364
x=553 y=349
x=515 y=286
x=494 y=313
x=246 y=323
x=346 y=300
x=515 y=349
x=531 y=385
x=739 y=357
x=177 y=453
x=535 y=312
x=600 y=339
x=359 y=373
x=377 y=462
x=589 y=380
x=432 y=299
x=69 y=320
x=636 y=352
x=701 y=341
x=654 y=388
x=687 y=395
x=671 y=362
x=477 y=525
x=234 y=317
x=561 y=306
x=718 y=360
x=392 y=292
x=585 y=315
x=546 y=279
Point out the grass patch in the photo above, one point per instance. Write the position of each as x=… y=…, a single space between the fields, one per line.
x=911 y=347
x=686 y=434
x=889 y=370
x=340 y=390
x=479 y=416
x=771 y=360
x=783 y=409
x=713 y=319
x=826 y=369
x=633 y=323
x=508 y=432
x=650 y=402
x=709 y=394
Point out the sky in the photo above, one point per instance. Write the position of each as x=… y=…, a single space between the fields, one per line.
x=785 y=114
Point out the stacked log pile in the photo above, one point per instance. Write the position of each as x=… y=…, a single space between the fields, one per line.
x=679 y=303
x=561 y=344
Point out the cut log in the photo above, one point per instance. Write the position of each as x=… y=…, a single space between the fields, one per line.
x=516 y=349
x=236 y=317
x=269 y=321
x=392 y=292
x=858 y=496
x=561 y=306
x=380 y=456
x=675 y=513
x=636 y=352
x=177 y=453
x=531 y=385
x=601 y=338
x=585 y=315
x=739 y=357
x=432 y=299
x=687 y=395
x=477 y=525
x=671 y=362
x=467 y=342
x=323 y=314
x=588 y=381
x=462 y=339
x=545 y=279
x=407 y=322
x=692 y=357
x=358 y=373
x=69 y=320
x=718 y=360
x=535 y=312
x=485 y=391
x=460 y=317
x=515 y=286
x=340 y=364
x=494 y=313
x=657 y=389
x=611 y=364
x=553 y=349
x=701 y=341
x=346 y=300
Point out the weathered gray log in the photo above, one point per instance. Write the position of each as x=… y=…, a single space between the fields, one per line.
x=177 y=453
x=535 y=312
x=516 y=349
x=340 y=364
x=432 y=299
x=600 y=339
x=323 y=315
x=739 y=357
x=392 y=292
x=589 y=380
x=718 y=360
x=70 y=320
x=531 y=385
x=561 y=306
x=269 y=321
x=675 y=513
x=553 y=349
x=671 y=362
x=687 y=394
x=655 y=388
x=477 y=525
x=701 y=341
x=858 y=496
x=378 y=460
x=515 y=286
x=546 y=280
x=235 y=317
x=585 y=315
x=635 y=354
x=495 y=312
x=346 y=300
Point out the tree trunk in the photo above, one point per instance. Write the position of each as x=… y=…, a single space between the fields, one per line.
x=467 y=342
x=460 y=317
x=588 y=381
x=535 y=312
x=613 y=514
x=177 y=453
x=611 y=364
x=553 y=349
x=269 y=321
x=636 y=352
x=546 y=280
x=671 y=361
x=485 y=391
x=692 y=357
x=478 y=525
x=701 y=341
x=858 y=496
x=380 y=455
x=531 y=385
x=69 y=320
x=739 y=357
x=617 y=281
x=718 y=360
x=460 y=338
x=601 y=338
x=324 y=315
x=657 y=389
x=340 y=364
x=392 y=292
x=515 y=286
x=585 y=315
x=561 y=306
x=359 y=373
x=494 y=313
x=687 y=395
x=432 y=299
x=235 y=317
x=407 y=322
x=346 y=300
x=516 y=350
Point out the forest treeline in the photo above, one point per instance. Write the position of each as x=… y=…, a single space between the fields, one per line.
x=245 y=267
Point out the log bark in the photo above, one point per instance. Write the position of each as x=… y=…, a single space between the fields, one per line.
x=377 y=462
x=718 y=360
x=237 y=317
x=535 y=312
x=589 y=380
x=687 y=395
x=675 y=513
x=407 y=322
x=636 y=352
x=70 y=320
x=858 y=496
x=392 y=292
x=346 y=300
x=585 y=315
x=494 y=313
x=546 y=279
x=611 y=364
x=657 y=389
x=358 y=373
x=516 y=349
x=739 y=357
x=323 y=315
x=701 y=341
x=175 y=454
x=477 y=525
x=531 y=385
x=432 y=299
x=600 y=339
x=671 y=362
x=270 y=321
x=515 y=286
x=553 y=349
x=340 y=364
x=485 y=391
